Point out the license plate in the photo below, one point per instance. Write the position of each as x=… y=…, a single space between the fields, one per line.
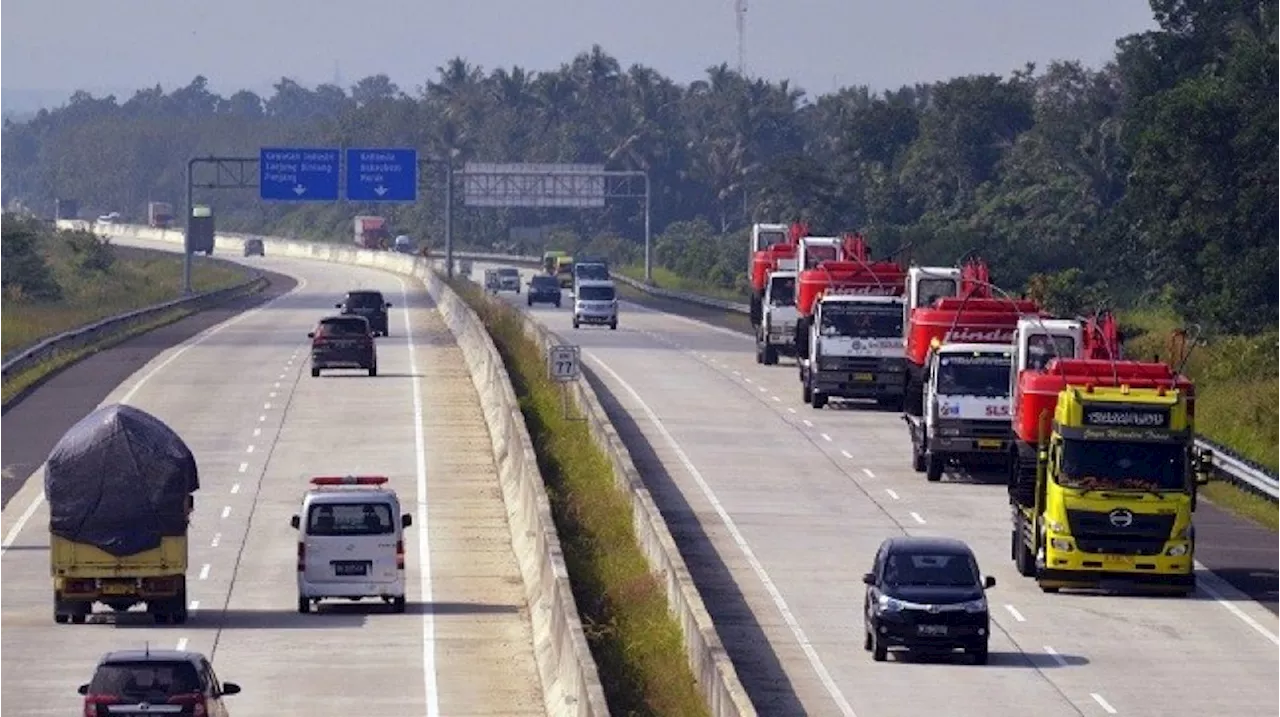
x=117 y=589
x=864 y=377
x=1118 y=559
x=350 y=568
x=932 y=630
x=988 y=443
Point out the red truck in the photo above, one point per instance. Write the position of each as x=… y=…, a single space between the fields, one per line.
x=159 y=214
x=371 y=232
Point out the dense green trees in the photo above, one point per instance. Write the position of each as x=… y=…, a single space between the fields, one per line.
x=1152 y=179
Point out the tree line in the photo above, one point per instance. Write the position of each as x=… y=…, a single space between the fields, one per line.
x=1151 y=180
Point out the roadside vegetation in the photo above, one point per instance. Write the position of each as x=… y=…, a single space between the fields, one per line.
x=636 y=643
x=57 y=281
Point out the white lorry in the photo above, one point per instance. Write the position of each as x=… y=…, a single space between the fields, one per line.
x=966 y=417
x=776 y=332
x=854 y=349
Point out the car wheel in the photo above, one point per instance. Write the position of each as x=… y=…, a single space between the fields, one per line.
x=980 y=654
x=879 y=651
x=866 y=638
x=398 y=604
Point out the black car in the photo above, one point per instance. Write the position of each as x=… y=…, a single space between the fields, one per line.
x=134 y=683
x=544 y=290
x=926 y=594
x=368 y=304
x=253 y=247
x=343 y=342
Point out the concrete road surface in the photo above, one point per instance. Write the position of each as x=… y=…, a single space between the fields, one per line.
x=260 y=426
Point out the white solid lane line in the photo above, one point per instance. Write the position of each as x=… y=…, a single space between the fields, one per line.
x=424 y=543
x=757 y=567
x=1106 y=706
x=1016 y=615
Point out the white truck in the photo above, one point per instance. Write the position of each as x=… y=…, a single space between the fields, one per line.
x=854 y=349
x=776 y=332
x=966 y=417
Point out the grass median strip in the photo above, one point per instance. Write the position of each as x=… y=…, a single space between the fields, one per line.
x=636 y=643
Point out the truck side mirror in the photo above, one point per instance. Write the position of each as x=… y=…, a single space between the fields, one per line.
x=295 y=521
x=406 y=520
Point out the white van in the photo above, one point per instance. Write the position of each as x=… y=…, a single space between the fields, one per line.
x=595 y=302
x=350 y=542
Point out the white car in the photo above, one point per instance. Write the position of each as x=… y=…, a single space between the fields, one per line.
x=350 y=542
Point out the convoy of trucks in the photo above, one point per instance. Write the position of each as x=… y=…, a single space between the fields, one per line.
x=1099 y=452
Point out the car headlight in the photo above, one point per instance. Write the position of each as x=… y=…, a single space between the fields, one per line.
x=888 y=604
x=976 y=606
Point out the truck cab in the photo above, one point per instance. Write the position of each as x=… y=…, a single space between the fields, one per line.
x=927 y=284
x=855 y=349
x=966 y=408
x=776 y=333
x=812 y=251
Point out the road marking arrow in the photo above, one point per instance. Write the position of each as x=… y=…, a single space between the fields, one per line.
x=299 y=190
x=380 y=190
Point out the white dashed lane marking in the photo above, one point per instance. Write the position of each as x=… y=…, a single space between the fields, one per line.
x=1016 y=615
x=868 y=472
x=217 y=538
x=235 y=488
x=226 y=511
x=826 y=437
x=249 y=449
x=808 y=423
x=846 y=454
x=916 y=516
x=1106 y=706
x=1062 y=661
x=204 y=571
x=244 y=467
x=891 y=493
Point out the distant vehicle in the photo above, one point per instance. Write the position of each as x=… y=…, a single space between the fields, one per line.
x=253 y=247
x=343 y=342
x=464 y=268
x=370 y=305
x=564 y=271
x=544 y=290
x=926 y=594
x=509 y=279
x=155 y=682
x=350 y=542
x=550 y=261
x=491 y=282
x=371 y=232
x=110 y=218
x=404 y=244
x=596 y=302
x=159 y=215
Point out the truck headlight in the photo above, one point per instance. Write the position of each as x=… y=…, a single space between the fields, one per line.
x=1062 y=544
x=1177 y=550
x=1055 y=527
x=948 y=431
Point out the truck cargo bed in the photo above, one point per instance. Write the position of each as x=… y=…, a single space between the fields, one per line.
x=80 y=560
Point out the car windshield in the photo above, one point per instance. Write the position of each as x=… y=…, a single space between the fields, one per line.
x=344 y=328
x=145 y=680
x=861 y=320
x=1122 y=465
x=1043 y=348
x=982 y=375
x=782 y=291
x=350 y=519
x=545 y=282
x=930 y=290
x=933 y=569
x=596 y=272
x=595 y=293
x=364 y=301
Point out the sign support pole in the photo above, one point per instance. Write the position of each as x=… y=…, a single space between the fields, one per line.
x=448 y=218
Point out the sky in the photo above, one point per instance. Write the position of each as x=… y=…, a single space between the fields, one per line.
x=819 y=45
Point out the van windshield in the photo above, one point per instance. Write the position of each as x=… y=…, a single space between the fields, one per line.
x=364 y=300
x=350 y=519
x=595 y=293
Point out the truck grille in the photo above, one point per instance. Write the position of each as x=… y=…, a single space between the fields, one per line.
x=857 y=364
x=1096 y=533
x=979 y=429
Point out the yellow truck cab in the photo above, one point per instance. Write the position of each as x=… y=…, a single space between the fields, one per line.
x=1115 y=482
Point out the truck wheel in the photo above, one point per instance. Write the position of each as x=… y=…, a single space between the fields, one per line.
x=575 y=322
x=79 y=618
x=917 y=460
x=398 y=604
x=315 y=373
x=806 y=393
x=932 y=467
x=879 y=651
x=759 y=351
x=304 y=605
x=770 y=354
x=819 y=399
x=373 y=370
x=1023 y=559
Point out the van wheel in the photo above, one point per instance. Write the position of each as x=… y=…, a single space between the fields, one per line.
x=304 y=605
x=398 y=604
x=613 y=325
x=575 y=322
x=315 y=373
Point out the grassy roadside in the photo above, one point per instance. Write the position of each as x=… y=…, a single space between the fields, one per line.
x=666 y=279
x=636 y=644
x=134 y=281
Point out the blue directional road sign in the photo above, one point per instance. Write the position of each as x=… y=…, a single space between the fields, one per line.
x=298 y=174
x=382 y=175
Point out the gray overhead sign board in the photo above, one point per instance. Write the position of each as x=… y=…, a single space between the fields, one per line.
x=578 y=186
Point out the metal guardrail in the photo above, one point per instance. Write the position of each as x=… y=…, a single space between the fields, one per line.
x=76 y=339
x=1237 y=470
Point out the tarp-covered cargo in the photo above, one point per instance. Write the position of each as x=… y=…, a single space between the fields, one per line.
x=120 y=480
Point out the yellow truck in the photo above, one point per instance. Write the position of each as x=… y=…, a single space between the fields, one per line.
x=119 y=486
x=564 y=271
x=1109 y=502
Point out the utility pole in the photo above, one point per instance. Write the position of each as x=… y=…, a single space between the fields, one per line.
x=740 y=10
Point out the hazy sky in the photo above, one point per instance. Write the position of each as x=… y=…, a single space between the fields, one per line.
x=818 y=44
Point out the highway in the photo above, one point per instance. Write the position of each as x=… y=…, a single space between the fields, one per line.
x=779 y=509
x=241 y=396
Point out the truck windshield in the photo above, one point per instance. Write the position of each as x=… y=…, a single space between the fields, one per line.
x=768 y=239
x=930 y=290
x=595 y=293
x=814 y=255
x=782 y=291
x=1122 y=465
x=1043 y=348
x=982 y=375
x=867 y=321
